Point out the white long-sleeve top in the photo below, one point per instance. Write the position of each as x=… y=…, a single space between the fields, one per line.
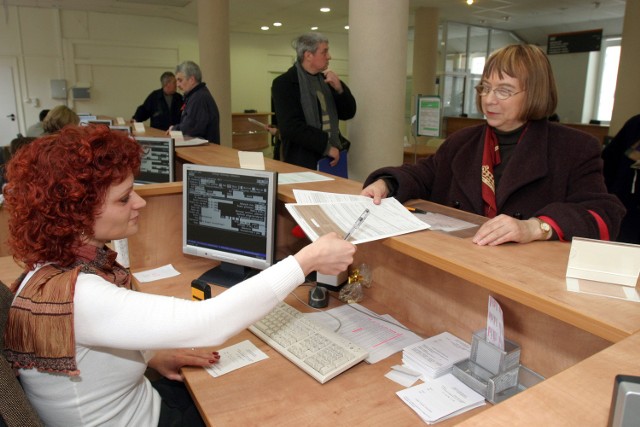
x=113 y=326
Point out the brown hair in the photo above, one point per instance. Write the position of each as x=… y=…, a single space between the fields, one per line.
x=58 y=118
x=530 y=65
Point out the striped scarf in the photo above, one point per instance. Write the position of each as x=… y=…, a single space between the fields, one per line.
x=40 y=328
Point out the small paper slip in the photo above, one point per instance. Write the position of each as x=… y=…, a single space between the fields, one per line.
x=251 y=160
x=402 y=375
x=235 y=357
x=119 y=121
x=138 y=126
x=176 y=134
x=436 y=356
x=255 y=122
x=300 y=177
x=438 y=399
x=495 y=324
x=156 y=274
x=444 y=223
x=361 y=326
x=189 y=142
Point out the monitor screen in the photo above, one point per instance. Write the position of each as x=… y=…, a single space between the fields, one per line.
x=157 y=164
x=123 y=128
x=229 y=215
x=107 y=122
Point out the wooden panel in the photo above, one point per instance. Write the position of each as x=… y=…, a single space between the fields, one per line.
x=247 y=136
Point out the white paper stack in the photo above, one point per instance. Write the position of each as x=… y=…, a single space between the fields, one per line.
x=438 y=399
x=436 y=356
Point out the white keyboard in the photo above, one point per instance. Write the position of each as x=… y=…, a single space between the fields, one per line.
x=321 y=353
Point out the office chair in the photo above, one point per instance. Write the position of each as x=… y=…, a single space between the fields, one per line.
x=15 y=409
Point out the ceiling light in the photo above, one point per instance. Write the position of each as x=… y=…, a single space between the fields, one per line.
x=277 y=24
x=469 y=2
x=264 y=28
x=314 y=28
x=325 y=9
x=346 y=27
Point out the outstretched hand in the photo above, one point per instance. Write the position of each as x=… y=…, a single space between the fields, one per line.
x=330 y=254
x=377 y=190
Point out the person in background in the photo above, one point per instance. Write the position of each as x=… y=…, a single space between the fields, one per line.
x=35 y=130
x=13 y=148
x=82 y=357
x=533 y=179
x=200 y=117
x=309 y=101
x=621 y=164
x=58 y=118
x=163 y=106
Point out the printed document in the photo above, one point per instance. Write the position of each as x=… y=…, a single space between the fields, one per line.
x=387 y=219
x=381 y=338
x=436 y=355
x=235 y=357
x=438 y=399
x=300 y=177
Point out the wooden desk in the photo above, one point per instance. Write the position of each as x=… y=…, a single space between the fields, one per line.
x=432 y=282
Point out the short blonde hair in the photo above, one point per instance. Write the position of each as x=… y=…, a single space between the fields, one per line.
x=530 y=65
x=58 y=118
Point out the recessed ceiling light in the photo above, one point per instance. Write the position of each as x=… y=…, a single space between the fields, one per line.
x=314 y=28
x=264 y=28
x=277 y=24
x=325 y=9
x=346 y=27
x=469 y=2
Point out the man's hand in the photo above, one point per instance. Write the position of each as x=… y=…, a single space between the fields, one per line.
x=334 y=153
x=332 y=80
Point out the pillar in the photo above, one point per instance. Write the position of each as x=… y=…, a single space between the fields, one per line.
x=215 y=58
x=377 y=77
x=627 y=97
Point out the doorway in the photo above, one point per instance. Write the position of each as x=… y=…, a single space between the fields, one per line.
x=9 y=125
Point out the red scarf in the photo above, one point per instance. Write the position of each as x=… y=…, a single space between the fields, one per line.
x=490 y=159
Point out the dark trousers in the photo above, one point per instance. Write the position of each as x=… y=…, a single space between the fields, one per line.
x=178 y=408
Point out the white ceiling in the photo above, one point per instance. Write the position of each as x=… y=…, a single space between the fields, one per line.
x=531 y=20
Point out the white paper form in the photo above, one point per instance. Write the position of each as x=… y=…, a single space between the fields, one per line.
x=438 y=399
x=495 y=324
x=251 y=160
x=301 y=177
x=381 y=339
x=156 y=274
x=387 y=219
x=235 y=357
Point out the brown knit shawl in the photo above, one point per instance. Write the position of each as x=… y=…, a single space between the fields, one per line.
x=40 y=332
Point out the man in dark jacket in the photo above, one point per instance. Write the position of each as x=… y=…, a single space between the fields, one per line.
x=309 y=101
x=200 y=115
x=162 y=106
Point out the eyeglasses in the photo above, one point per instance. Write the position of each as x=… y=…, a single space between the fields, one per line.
x=500 y=93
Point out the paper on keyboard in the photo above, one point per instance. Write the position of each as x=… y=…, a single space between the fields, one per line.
x=235 y=357
x=379 y=338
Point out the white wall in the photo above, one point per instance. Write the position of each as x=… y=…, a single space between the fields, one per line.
x=121 y=58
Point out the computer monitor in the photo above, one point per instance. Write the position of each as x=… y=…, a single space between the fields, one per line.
x=121 y=128
x=158 y=162
x=229 y=215
x=86 y=118
x=107 y=122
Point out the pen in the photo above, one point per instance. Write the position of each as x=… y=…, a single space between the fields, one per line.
x=358 y=223
x=415 y=210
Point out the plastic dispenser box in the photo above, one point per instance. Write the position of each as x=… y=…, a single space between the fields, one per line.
x=492 y=372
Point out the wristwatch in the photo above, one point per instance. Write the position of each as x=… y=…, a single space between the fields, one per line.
x=544 y=227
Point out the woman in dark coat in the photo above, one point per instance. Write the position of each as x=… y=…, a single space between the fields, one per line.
x=534 y=179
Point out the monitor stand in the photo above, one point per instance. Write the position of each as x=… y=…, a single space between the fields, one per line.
x=227 y=274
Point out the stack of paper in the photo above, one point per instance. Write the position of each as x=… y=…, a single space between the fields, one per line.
x=438 y=399
x=436 y=356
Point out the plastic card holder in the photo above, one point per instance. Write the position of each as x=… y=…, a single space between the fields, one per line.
x=492 y=358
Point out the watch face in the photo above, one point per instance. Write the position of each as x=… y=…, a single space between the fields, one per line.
x=545 y=227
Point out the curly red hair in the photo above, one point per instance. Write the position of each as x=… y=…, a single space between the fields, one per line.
x=57 y=185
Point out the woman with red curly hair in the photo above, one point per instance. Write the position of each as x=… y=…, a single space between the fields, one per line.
x=75 y=318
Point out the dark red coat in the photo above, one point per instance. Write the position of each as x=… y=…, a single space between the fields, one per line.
x=555 y=171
